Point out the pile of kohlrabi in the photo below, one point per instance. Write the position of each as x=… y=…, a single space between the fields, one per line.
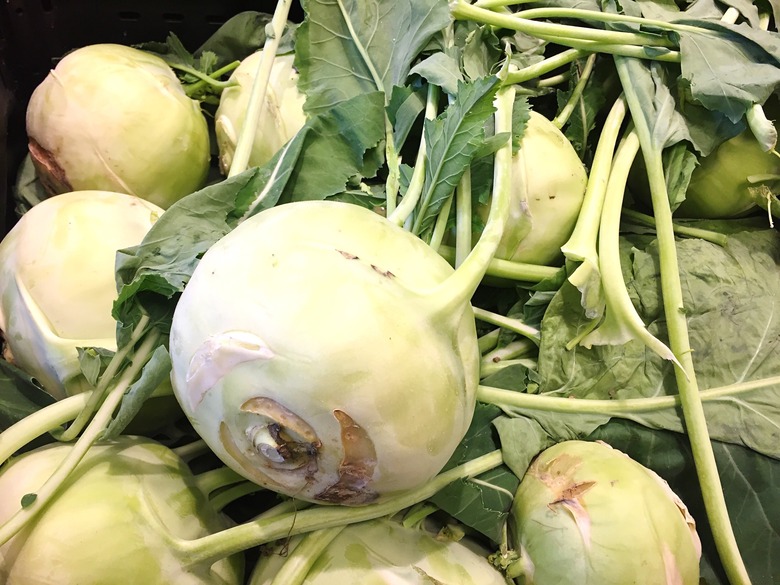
x=400 y=292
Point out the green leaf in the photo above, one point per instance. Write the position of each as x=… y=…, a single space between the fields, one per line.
x=731 y=297
x=483 y=505
x=241 y=35
x=341 y=144
x=92 y=361
x=345 y=48
x=452 y=140
x=20 y=395
x=405 y=106
x=440 y=69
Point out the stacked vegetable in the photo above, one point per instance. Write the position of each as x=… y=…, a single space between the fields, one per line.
x=461 y=264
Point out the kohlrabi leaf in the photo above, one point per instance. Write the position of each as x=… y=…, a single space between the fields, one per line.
x=730 y=67
x=451 y=140
x=341 y=144
x=405 y=106
x=749 y=485
x=346 y=48
x=483 y=502
x=241 y=35
x=731 y=297
x=20 y=395
x=440 y=69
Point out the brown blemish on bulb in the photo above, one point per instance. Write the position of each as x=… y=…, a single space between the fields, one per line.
x=356 y=468
x=51 y=175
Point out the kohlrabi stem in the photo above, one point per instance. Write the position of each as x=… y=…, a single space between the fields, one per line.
x=662 y=54
x=206 y=80
x=192 y=450
x=622 y=322
x=677 y=326
x=594 y=15
x=298 y=563
x=440 y=227
x=499 y=3
x=581 y=245
x=489 y=340
x=549 y=64
x=461 y=285
x=463 y=218
x=462 y=10
x=519 y=271
x=91 y=434
x=257 y=104
x=622 y=408
x=575 y=99
x=40 y=422
x=214 y=479
x=405 y=209
x=512 y=350
x=116 y=362
x=489 y=368
x=230 y=494
x=681 y=230
x=267 y=529
x=508 y=323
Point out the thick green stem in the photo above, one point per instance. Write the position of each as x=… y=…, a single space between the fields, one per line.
x=440 y=227
x=549 y=64
x=489 y=341
x=260 y=531
x=232 y=493
x=677 y=326
x=461 y=10
x=299 y=562
x=463 y=218
x=214 y=479
x=206 y=80
x=593 y=15
x=612 y=407
x=622 y=322
x=490 y=368
x=257 y=100
x=40 y=422
x=116 y=362
x=519 y=271
x=575 y=98
x=681 y=230
x=512 y=350
x=412 y=196
x=509 y=323
x=79 y=449
x=460 y=286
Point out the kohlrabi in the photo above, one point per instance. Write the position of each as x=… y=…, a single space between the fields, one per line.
x=586 y=513
x=326 y=353
x=282 y=115
x=548 y=187
x=113 y=520
x=377 y=552
x=57 y=282
x=114 y=118
x=726 y=182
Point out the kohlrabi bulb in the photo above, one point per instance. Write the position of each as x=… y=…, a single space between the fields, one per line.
x=113 y=118
x=548 y=186
x=57 y=284
x=115 y=519
x=282 y=115
x=720 y=186
x=587 y=514
x=309 y=357
x=384 y=552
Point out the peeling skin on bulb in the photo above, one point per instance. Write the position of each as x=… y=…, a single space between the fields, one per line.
x=356 y=468
x=50 y=173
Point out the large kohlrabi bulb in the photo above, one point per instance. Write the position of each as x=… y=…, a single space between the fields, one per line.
x=57 y=284
x=114 y=118
x=587 y=514
x=282 y=114
x=384 y=552
x=115 y=519
x=308 y=358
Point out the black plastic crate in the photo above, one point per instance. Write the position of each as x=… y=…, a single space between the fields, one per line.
x=34 y=33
